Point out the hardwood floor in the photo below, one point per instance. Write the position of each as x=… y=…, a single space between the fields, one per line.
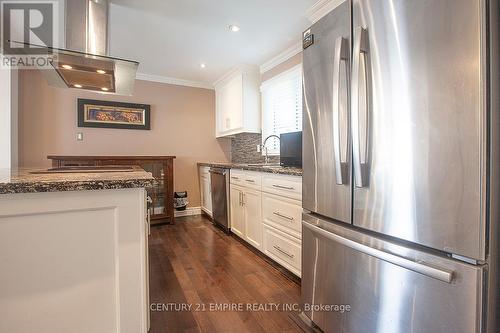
x=194 y=263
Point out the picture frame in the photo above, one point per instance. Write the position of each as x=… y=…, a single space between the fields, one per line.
x=109 y=114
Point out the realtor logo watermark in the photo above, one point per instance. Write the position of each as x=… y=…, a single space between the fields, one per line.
x=28 y=27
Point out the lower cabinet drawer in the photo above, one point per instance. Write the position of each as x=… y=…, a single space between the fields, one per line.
x=282 y=213
x=253 y=180
x=283 y=249
x=284 y=185
x=237 y=177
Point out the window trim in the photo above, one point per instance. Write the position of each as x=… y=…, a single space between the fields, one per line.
x=291 y=72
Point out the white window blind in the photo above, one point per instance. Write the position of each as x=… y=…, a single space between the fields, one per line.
x=281 y=106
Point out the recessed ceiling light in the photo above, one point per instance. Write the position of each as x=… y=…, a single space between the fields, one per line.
x=234 y=28
x=77 y=85
x=203 y=65
x=100 y=71
x=67 y=67
x=104 y=89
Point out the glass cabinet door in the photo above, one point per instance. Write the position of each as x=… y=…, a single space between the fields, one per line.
x=156 y=192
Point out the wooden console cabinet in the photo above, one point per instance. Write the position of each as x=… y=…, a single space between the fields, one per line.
x=162 y=194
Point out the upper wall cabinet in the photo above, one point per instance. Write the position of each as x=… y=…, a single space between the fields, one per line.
x=237 y=103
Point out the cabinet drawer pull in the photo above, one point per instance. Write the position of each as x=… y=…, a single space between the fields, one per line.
x=235 y=177
x=277 y=213
x=284 y=187
x=283 y=251
x=250 y=180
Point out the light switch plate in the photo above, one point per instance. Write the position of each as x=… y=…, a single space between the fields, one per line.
x=258 y=148
x=79 y=136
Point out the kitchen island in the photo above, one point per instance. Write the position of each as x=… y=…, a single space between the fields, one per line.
x=73 y=250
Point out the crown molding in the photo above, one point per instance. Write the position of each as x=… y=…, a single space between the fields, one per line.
x=243 y=68
x=282 y=57
x=288 y=73
x=174 y=81
x=321 y=8
x=226 y=76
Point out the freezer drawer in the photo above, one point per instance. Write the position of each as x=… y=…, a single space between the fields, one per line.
x=389 y=288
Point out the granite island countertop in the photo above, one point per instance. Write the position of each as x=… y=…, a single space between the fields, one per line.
x=34 y=180
x=254 y=167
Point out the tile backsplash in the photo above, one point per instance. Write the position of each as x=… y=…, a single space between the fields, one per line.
x=244 y=149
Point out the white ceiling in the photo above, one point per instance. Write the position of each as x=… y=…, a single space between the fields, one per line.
x=172 y=37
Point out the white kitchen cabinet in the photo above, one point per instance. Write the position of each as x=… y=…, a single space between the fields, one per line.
x=207 y=196
x=283 y=249
x=283 y=185
x=237 y=211
x=246 y=206
x=228 y=100
x=237 y=102
x=253 y=217
x=206 y=190
x=282 y=213
x=74 y=261
x=266 y=212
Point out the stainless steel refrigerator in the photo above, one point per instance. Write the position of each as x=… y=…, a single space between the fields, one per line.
x=400 y=157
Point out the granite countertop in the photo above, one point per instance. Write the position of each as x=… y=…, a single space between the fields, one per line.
x=33 y=180
x=250 y=167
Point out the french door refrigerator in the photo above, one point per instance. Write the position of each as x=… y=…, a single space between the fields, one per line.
x=400 y=159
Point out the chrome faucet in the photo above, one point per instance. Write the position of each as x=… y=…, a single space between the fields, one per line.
x=264 y=146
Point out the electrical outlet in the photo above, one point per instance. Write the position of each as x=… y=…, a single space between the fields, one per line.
x=258 y=148
x=79 y=136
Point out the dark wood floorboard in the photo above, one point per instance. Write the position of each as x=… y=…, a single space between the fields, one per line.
x=192 y=262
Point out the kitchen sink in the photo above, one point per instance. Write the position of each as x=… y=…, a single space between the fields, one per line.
x=86 y=169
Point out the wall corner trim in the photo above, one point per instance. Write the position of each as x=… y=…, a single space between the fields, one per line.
x=174 y=81
x=281 y=57
x=321 y=8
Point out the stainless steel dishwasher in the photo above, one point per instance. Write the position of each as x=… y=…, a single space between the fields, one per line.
x=219 y=179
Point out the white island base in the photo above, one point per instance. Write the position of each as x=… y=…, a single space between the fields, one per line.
x=74 y=262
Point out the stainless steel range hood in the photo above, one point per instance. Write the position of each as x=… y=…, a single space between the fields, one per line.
x=84 y=63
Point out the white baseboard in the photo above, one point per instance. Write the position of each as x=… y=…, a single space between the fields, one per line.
x=206 y=211
x=188 y=212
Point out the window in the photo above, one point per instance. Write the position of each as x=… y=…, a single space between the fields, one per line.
x=281 y=106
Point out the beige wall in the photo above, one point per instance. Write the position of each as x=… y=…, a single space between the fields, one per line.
x=182 y=124
x=286 y=65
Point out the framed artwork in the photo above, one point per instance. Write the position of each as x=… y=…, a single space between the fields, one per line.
x=106 y=114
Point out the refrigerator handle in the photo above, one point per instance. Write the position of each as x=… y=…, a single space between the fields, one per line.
x=341 y=163
x=418 y=267
x=360 y=136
